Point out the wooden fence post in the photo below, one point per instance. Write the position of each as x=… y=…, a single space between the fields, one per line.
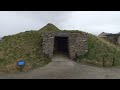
x=113 y=64
x=103 y=62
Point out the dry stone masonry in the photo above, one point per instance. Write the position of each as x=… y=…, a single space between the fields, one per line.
x=77 y=44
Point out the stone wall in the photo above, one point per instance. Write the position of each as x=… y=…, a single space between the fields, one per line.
x=77 y=44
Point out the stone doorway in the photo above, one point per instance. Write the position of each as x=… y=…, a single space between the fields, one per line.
x=73 y=44
x=60 y=45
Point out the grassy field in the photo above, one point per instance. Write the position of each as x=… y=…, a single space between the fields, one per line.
x=28 y=46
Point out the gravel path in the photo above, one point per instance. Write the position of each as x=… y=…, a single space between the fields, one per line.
x=63 y=68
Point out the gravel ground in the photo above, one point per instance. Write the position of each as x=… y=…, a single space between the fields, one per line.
x=63 y=68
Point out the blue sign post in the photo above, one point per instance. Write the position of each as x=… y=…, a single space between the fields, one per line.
x=21 y=64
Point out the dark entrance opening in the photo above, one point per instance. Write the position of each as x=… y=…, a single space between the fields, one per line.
x=61 y=45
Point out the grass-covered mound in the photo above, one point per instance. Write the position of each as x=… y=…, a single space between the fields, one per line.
x=25 y=45
x=28 y=46
x=99 y=48
x=49 y=28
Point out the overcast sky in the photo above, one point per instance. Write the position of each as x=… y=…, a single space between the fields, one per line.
x=95 y=22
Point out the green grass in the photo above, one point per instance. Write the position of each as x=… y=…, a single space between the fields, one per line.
x=99 y=48
x=27 y=46
x=49 y=28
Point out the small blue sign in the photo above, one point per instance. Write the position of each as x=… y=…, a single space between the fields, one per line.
x=21 y=63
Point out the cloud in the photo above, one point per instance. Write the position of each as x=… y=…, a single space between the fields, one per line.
x=94 y=22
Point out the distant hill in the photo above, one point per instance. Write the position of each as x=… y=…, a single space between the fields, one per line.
x=28 y=46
